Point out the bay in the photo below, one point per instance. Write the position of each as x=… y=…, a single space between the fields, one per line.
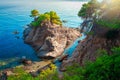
x=14 y=15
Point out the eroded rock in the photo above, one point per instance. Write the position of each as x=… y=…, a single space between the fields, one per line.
x=49 y=41
x=87 y=49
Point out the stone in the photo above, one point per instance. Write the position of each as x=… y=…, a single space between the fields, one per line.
x=26 y=61
x=63 y=57
x=50 y=41
x=34 y=74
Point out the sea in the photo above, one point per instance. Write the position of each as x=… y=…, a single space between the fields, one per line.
x=15 y=15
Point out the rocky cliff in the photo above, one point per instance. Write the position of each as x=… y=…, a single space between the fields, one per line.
x=87 y=50
x=49 y=41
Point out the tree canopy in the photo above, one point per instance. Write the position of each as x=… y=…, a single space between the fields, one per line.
x=88 y=9
x=106 y=67
x=51 y=17
x=105 y=13
x=34 y=13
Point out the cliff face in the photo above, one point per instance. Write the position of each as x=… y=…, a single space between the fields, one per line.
x=87 y=50
x=50 y=40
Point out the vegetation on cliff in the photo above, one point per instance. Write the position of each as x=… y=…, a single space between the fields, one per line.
x=106 y=18
x=105 y=13
x=51 y=17
x=47 y=36
x=106 y=67
x=21 y=74
x=34 y=13
x=89 y=10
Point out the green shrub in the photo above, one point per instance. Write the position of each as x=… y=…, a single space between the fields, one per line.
x=102 y=13
x=90 y=33
x=113 y=23
x=34 y=13
x=104 y=68
x=48 y=74
x=74 y=72
x=20 y=74
x=51 y=17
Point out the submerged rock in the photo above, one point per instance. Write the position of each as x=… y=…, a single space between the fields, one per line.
x=64 y=21
x=16 y=32
x=26 y=61
x=49 y=41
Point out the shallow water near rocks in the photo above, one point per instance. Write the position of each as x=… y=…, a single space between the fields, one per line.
x=14 y=15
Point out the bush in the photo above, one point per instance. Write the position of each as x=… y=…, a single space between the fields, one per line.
x=48 y=74
x=113 y=23
x=20 y=74
x=104 y=68
x=90 y=33
x=51 y=17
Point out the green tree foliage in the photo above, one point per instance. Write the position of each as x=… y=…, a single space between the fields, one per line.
x=49 y=73
x=74 y=72
x=112 y=24
x=46 y=74
x=51 y=17
x=88 y=10
x=39 y=20
x=106 y=67
x=20 y=74
x=34 y=13
x=105 y=13
x=54 y=18
x=83 y=12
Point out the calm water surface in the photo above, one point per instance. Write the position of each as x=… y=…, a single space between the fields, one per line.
x=14 y=15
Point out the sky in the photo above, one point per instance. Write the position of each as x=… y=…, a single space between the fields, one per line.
x=42 y=0
x=2 y=2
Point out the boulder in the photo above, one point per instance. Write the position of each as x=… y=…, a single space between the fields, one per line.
x=26 y=61
x=50 y=41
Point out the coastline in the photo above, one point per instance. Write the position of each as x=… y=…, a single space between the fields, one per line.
x=37 y=66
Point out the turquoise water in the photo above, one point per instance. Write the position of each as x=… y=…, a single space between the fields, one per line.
x=14 y=15
x=72 y=48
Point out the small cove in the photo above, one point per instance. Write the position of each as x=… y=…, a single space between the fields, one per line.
x=69 y=51
x=14 y=16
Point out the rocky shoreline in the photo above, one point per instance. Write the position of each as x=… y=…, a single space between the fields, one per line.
x=88 y=49
x=50 y=41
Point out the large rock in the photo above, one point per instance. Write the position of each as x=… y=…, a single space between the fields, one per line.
x=87 y=50
x=50 y=40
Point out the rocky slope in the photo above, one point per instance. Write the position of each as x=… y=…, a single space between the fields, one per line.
x=87 y=50
x=50 y=40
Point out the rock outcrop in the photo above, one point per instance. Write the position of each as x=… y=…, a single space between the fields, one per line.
x=87 y=50
x=49 y=41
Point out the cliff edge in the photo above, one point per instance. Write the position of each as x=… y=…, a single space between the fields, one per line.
x=88 y=49
x=49 y=41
